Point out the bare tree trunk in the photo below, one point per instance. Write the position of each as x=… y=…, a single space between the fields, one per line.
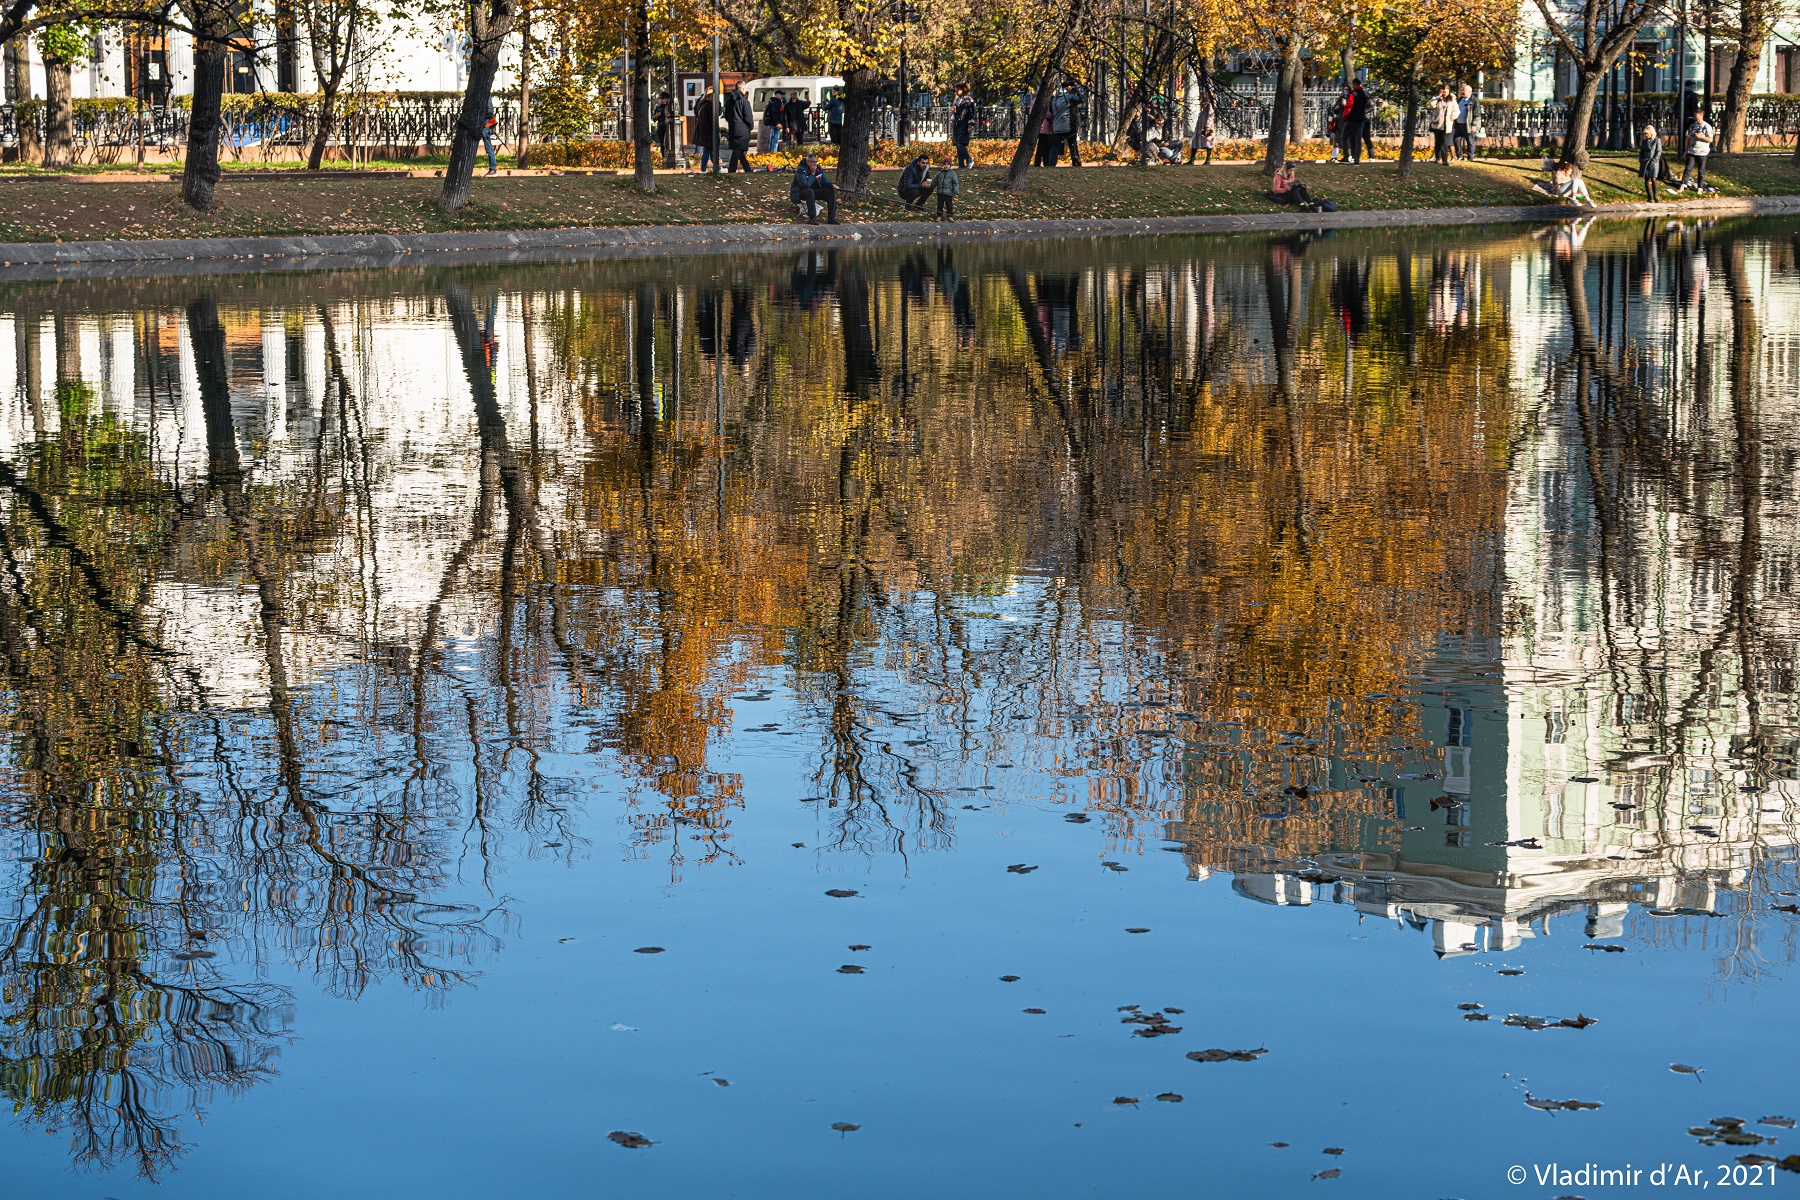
x=1752 y=36
x=860 y=91
x=59 y=136
x=491 y=20
x=1279 y=114
x=1412 y=120
x=200 y=174
x=1040 y=101
x=1162 y=55
x=642 y=151
x=315 y=157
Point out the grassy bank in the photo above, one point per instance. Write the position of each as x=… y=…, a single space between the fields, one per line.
x=69 y=209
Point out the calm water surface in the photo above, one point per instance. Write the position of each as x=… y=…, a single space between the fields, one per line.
x=869 y=723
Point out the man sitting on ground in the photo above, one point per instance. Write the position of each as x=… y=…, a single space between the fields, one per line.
x=916 y=183
x=811 y=185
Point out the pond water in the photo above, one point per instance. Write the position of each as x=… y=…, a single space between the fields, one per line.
x=1062 y=719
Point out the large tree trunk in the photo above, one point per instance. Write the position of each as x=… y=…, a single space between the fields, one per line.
x=1752 y=36
x=59 y=105
x=643 y=158
x=1581 y=116
x=491 y=25
x=1280 y=113
x=860 y=92
x=1040 y=101
x=200 y=174
x=1412 y=120
x=18 y=90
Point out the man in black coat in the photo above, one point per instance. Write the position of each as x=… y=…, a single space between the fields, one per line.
x=796 y=117
x=706 y=128
x=1362 y=110
x=740 y=127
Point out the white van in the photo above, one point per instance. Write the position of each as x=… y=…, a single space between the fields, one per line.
x=817 y=89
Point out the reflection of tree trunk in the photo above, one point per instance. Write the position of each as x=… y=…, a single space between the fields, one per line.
x=1284 y=328
x=1746 y=336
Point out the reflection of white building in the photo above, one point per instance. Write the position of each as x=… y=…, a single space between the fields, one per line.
x=398 y=445
x=1609 y=725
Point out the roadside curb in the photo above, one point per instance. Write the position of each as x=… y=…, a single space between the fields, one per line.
x=61 y=260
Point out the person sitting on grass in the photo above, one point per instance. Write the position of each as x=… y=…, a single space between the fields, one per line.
x=1286 y=188
x=812 y=185
x=948 y=188
x=916 y=183
x=1566 y=183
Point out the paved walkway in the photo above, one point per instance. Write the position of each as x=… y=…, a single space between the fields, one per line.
x=62 y=260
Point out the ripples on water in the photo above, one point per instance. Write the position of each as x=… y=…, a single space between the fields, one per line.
x=388 y=655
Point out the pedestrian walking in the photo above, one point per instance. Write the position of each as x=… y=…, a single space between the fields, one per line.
x=1460 y=141
x=1443 y=120
x=706 y=128
x=662 y=123
x=774 y=117
x=1650 y=161
x=1700 y=137
x=1074 y=110
x=488 y=124
x=1206 y=128
x=834 y=119
x=797 y=104
x=1047 y=144
x=1361 y=109
x=740 y=127
x=962 y=124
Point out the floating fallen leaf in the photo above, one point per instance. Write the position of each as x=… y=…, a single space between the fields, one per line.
x=1077 y=818
x=1009 y=979
x=1777 y=1122
x=1333 y=1173
x=631 y=1141
x=1788 y=908
x=845 y=1127
x=1471 y=1006
x=1332 y=1150
x=1217 y=1055
x=1175 y=1011
x=565 y=939
x=648 y=950
x=861 y=947
x=1035 y=1011
x=722 y=1082
x=1476 y=1016
x=1125 y=1099
x=1556 y=1105
x=1169 y=1097
x=1137 y=931
x=849 y=969
x=1509 y=971
x=840 y=893
x=1279 y=1145
x=1020 y=869
x=1604 y=949
x=1684 y=1069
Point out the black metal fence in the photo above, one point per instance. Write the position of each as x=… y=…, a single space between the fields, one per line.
x=269 y=127
x=275 y=126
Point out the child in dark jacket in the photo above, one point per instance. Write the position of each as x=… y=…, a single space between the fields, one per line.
x=948 y=189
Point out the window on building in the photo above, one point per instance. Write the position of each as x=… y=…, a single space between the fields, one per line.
x=1556 y=729
x=1456 y=838
x=1787 y=69
x=1459 y=731
x=1720 y=66
x=1646 y=66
